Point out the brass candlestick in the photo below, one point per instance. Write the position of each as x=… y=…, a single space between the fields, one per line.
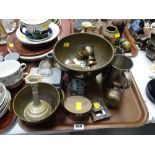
x=38 y=109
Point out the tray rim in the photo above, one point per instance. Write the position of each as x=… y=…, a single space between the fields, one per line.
x=63 y=128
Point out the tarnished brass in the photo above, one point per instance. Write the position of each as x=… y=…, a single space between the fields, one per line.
x=78 y=107
x=114 y=96
x=88 y=51
x=77 y=104
x=37 y=109
x=91 y=61
x=103 y=51
x=80 y=55
x=109 y=33
x=38 y=112
x=48 y=95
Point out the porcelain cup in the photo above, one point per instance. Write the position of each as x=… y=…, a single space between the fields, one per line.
x=34 y=27
x=11 y=72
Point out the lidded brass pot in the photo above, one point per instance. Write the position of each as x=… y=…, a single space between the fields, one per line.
x=78 y=107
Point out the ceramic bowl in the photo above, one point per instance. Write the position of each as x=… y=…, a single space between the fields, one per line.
x=11 y=72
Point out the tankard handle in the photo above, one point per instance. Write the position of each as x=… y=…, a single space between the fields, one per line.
x=128 y=78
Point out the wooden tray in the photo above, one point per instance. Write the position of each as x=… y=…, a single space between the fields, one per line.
x=25 y=50
x=3 y=49
x=131 y=113
x=66 y=27
x=28 y=51
x=7 y=121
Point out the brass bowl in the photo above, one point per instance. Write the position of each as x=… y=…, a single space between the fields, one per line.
x=67 y=48
x=47 y=93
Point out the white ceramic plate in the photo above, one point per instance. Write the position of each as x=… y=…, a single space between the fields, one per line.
x=6 y=103
x=32 y=58
x=3 y=94
x=25 y=40
x=2 y=107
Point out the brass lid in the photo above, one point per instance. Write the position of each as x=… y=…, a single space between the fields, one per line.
x=78 y=104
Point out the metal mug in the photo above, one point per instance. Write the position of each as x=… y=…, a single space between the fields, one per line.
x=120 y=74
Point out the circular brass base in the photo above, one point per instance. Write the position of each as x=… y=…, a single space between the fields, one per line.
x=35 y=113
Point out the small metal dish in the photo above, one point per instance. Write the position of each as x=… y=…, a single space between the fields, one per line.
x=78 y=107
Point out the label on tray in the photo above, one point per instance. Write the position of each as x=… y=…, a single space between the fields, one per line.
x=96 y=105
x=66 y=44
x=78 y=105
x=11 y=45
x=117 y=35
x=78 y=126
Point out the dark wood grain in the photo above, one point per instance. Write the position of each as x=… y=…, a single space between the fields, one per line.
x=7 y=121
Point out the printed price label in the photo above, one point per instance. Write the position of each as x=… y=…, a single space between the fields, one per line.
x=45 y=25
x=66 y=44
x=11 y=45
x=78 y=105
x=79 y=127
x=117 y=35
x=96 y=105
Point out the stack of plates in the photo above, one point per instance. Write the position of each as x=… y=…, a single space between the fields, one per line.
x=34 y=49
x=25 y=40
x=5 y=98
